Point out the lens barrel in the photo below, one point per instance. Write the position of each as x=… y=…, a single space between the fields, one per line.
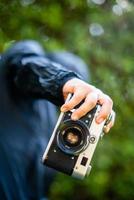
x=73 y=136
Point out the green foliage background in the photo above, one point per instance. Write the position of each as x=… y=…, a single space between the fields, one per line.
x=64 y=25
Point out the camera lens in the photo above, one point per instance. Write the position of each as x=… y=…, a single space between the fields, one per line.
x=73 y=136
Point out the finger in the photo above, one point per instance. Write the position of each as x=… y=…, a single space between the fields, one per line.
x=110 y=122
x=107 y=128
x=110 y=118
x=88 y=104
x=75 y=100
x=106 y=108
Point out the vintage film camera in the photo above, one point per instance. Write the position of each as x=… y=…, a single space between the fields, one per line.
x=73 y=143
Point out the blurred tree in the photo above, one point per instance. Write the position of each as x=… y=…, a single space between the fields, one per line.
x=101 y=32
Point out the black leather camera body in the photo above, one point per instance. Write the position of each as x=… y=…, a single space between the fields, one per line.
x=73 y=143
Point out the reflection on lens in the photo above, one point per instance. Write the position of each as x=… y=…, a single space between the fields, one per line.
x=72 y=138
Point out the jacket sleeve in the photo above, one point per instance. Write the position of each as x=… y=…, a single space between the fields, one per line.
x=37 y=77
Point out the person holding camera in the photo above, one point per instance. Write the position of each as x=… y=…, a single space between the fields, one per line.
x=31 y=82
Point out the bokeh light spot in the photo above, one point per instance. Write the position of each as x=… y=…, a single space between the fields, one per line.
x=96 y=29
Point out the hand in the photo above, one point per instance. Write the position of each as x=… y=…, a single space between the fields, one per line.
x=91 y=96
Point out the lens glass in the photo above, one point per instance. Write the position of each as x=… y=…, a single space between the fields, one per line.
x=72 y=137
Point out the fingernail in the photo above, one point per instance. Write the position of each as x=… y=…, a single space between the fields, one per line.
x=106 y=129
x=99 y=120
x=63 y=109
x=74 y=118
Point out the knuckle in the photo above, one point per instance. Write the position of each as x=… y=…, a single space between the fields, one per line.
x=81 y=111
x=99 y=91
x=77 y=97
x=70 y=104
x=110 y=101
x=67 y=106
x=92 y=101
x=93 y=88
